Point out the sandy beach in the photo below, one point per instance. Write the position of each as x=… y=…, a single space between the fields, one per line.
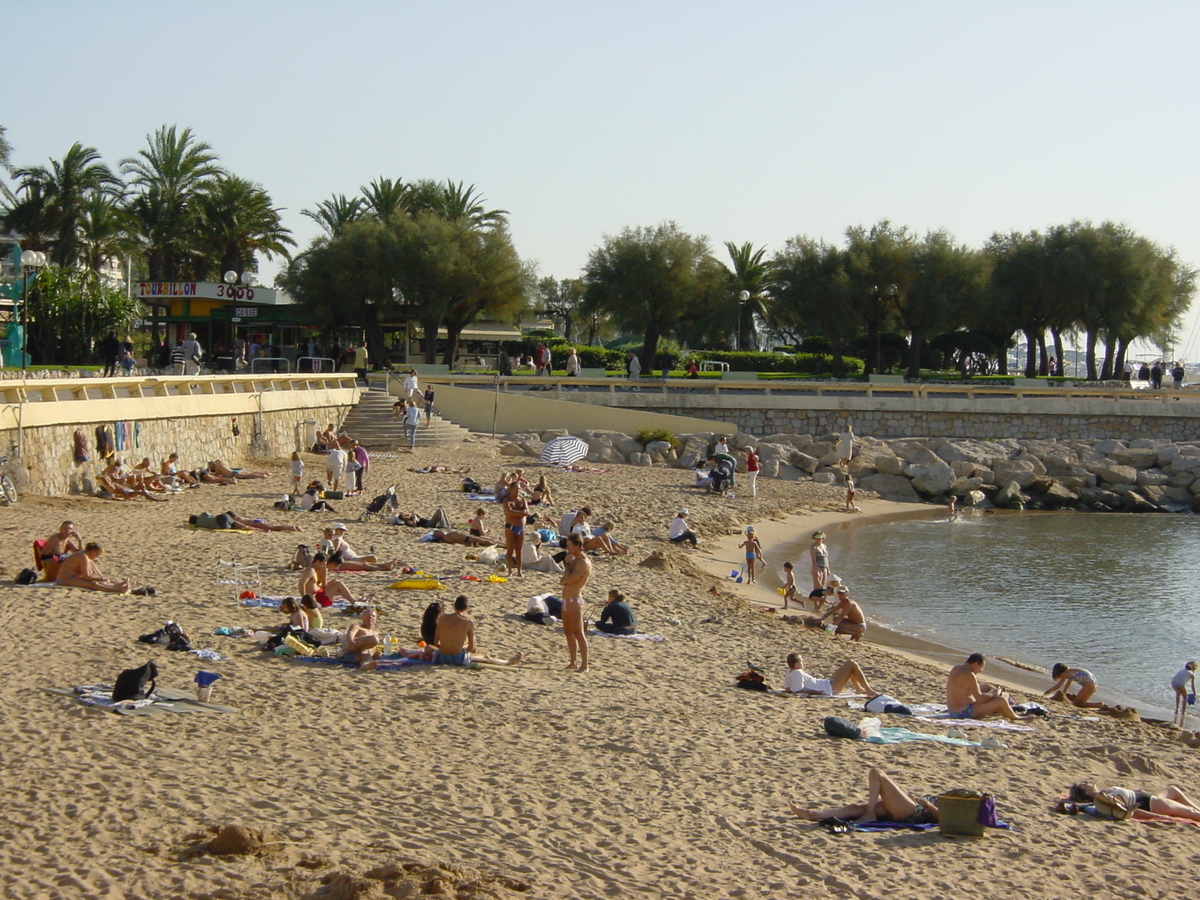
x=649 y=775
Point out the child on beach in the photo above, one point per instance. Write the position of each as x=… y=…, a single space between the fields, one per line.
x=952 y=506
x=297 y=471
x=1063 y=675
x=850 y=507
x=1184 y=685
x=753 y=548
x=789 y=585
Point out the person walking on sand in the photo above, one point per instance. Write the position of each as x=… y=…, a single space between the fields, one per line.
x=850 y=507
x=789 y=584
x=966 y=698
x=753 y=467
x=845 y=446
x=1063 y=675
x=820 y=560
x=577 y=569
x=1183 y=683
x=753 y=547
x=412 y=421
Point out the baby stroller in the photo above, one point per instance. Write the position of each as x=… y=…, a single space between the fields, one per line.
x=722 y=476
x=383 y=506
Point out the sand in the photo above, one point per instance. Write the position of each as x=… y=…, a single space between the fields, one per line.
x=650 y=775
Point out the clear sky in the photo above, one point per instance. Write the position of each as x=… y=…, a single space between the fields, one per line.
x=749 y=121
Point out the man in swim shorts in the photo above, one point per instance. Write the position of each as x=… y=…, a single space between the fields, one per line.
x=848 y=614
x=79 y=570
x=455 y=640
x=968 y=699
x=361 y=643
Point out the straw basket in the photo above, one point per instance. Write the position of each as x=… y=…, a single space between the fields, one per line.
x=958 y=813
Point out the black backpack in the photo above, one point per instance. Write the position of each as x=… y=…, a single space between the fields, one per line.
x=26 y=576
x=136 y=684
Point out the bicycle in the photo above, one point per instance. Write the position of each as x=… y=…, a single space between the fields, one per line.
x=8 y=493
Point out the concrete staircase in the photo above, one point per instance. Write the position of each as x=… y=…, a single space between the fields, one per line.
x=372 y=424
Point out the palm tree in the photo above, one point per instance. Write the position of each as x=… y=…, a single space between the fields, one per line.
x=387 y=198
x=5 y=166
x=106 y=231
x=238 y=223
x=51 y=202
x=456 y=203
x=167 y=179
x=752 y=275
x=334 y=214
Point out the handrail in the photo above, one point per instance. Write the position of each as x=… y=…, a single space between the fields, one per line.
x=271 y=359
x=313 y=359
x=54 y=390
x=915 y=391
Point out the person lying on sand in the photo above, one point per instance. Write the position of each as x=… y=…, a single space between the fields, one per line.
x=1064 y=675
x=886 y=802
x=797 y=681
x=442 y=470
x=1171 y=802
x=337 y=564
x=457 y=537
x=120 y=486
x=968 y=699
x=258 y=524
x=219 y=467
x=848 y=615
x=315 y=580
x=455 y=640
x=79 y=570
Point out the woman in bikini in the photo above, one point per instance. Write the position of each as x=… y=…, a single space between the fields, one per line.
x=541 y=494
x=1171 y=802
x=577 y=569
x=886 y=802
x=820 y=560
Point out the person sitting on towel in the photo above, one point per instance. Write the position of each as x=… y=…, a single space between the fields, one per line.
x=797 y=681
x=455 y=640
x=617 y=617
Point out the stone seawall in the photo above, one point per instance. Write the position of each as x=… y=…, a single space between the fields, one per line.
x=890 y=423
x=47 y=465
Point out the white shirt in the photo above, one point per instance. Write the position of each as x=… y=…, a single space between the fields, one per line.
x=572 y=364
x=410 y=384
x=583 y=529
x=565 y=523
x=635 y=367
x=798 y=680
x=336 y=461
x=678 y=527
x=721 y=447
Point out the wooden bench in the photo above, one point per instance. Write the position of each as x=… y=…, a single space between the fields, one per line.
x=885 y=379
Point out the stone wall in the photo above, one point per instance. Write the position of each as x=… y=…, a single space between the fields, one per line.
x=47 y=466
x=990 y=425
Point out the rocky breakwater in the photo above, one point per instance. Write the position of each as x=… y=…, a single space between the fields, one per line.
x=1140 y=475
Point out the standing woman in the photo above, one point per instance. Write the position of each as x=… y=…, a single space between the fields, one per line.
x=412 y=420
x=577 y=569
x=515 y=512
x=820 y=560
x=845 y=446
x=752 y=469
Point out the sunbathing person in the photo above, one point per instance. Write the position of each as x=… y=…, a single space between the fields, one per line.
x=219 y=467
x=458 y=537
x=312 y=612
x=79 y=570
x=886 y=802
x=337 y=564
x=1172 y=802
x=797 y=681
x=968 y=699
x=596 y=540
x=170 y=469
x=340 y=546
x=455 y=640
x=361 y=643
x=309 y=502
x=258 y=524
x=290 y=607
x=62 y=543
x=532 y=558
x=475 y=525
x=143 y=474
x=541 y=495
x=442 y=470
x=116 y=484
x=315 y=580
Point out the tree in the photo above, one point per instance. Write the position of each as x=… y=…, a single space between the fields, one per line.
x=487 y=280
x=238 y=222
x=69 y=308
x=51 y=202
x=879 y=266
x=167 y=179
x=752 y=275
x=334 y=214
x=5 y=166
x=650 y=279
x=813 y=295
x=562 y=299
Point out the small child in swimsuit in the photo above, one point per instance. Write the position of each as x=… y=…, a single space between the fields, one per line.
x=753 y=549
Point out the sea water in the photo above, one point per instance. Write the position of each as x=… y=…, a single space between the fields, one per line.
x=1112 y=593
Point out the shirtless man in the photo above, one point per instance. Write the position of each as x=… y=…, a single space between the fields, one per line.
x=113 y=481
x=458 y=537
x=577 y=569
x=455 y=640
x=315 y=580
x=259 y=524
x=219 y=467
x=361 y=643
x=515 y=511
x=79 y=570
x=968 y=699
x=850 y=618
x=62 y=543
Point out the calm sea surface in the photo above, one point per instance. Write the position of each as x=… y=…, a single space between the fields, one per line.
x=1113 y=593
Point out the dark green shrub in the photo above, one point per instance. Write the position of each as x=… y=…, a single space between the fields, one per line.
x=648 y=435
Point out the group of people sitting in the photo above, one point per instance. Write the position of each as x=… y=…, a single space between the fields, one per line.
x=68 y=561
x=120 y=482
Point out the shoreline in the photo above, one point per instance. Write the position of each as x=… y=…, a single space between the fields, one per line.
x=792 y=533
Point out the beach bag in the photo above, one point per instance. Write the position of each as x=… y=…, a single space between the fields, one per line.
x=836 y=726
x=333 y=495
x=961 y=812
x=1117 y=804
x=302 y=558
x=752 y=680
x=26 y=576
x=882 y=703
x=136 y=684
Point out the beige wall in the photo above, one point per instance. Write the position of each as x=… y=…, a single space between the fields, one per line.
x=525 y=411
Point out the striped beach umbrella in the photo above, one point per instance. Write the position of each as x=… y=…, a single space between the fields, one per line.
x=562 y=451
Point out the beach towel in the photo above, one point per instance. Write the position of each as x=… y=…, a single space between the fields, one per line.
x=165 y=700
x=628 y=637
x=947 y=719
x=903 y=735
x=383 y=665
x=491 y=498
x=273 y=602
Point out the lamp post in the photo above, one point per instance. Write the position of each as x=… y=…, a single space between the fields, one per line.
x=743 y=297
x=35 y=260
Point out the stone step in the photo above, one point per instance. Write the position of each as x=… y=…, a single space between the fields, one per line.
x=372 y=423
